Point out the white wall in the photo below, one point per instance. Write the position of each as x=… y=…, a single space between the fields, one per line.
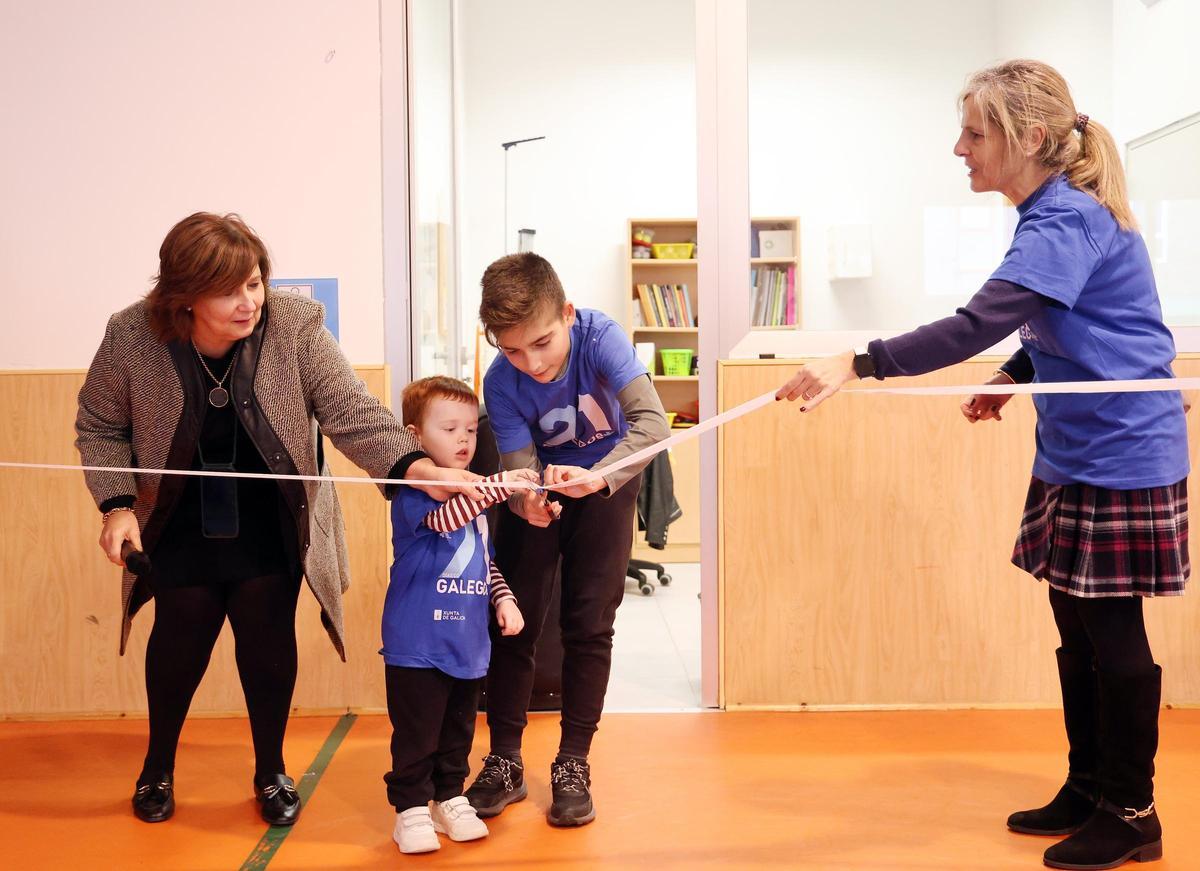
x=1073 y=36
x=431 y=119
x=122 y=118
x=1157 y=74
x=853 y=120
x=1157 y=84
x=612 y=87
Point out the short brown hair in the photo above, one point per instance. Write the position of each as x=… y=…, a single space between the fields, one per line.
x=419 y=394
x=203 y=254
x=517 y=288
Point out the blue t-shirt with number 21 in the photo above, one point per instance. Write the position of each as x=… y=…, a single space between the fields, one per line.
x=576 y=419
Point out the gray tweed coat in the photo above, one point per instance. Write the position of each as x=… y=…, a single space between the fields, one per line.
x=142 y=404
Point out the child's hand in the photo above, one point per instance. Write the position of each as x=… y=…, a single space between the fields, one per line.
x=425 y=470
x=562 y=474
x=521 y=475
x=509 y=618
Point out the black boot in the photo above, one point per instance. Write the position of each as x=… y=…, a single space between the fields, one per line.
x=1125 y=826
x=154 y=797
x=1079 y=796
x=1066 y=813
x=1112 y=837
x=500 y=783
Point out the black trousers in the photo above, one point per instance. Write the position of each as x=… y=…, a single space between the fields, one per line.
x=433 y=725
x=593 y=538
x=187 y=621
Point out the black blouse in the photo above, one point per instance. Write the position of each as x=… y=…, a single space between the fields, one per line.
x=184 y=555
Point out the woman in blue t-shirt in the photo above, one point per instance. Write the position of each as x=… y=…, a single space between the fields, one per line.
x=1105 y=521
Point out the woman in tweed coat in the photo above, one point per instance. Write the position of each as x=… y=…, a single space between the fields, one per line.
x=213 y=371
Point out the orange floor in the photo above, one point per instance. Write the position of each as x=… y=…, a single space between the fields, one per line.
x=909 y=790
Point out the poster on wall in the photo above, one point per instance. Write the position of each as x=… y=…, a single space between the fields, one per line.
x=323 y=290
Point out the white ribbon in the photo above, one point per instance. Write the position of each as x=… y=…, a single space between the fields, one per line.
x=197 y=473
x=1145 y=385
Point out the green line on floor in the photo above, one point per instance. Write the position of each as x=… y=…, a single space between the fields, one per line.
x=265 y=849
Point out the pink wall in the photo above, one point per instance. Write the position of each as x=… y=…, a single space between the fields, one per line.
x=121 y=118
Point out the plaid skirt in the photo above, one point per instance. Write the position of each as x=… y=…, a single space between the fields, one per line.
x=1092 y=542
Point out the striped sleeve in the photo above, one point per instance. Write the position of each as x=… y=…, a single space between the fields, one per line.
x=457 y=511
x=497 y=587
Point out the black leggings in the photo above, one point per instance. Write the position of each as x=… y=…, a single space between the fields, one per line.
x=1109 y=630
x=187 y=621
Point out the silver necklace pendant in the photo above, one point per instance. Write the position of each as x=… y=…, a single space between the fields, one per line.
x=218 y=397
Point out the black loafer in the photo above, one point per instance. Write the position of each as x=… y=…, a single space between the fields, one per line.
x=154 y=798
x=279 y=799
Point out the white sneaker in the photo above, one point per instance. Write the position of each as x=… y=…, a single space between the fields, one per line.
x=414 y=832
x=457 y=819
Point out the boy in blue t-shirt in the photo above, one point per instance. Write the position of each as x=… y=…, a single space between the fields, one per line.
x=435 y=618
x=567 y=394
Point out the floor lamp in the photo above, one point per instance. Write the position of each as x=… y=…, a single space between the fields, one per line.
x=506 y=146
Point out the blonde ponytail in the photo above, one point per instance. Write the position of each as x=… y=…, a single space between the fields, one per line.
x=1018 y=95
x=1097 y=169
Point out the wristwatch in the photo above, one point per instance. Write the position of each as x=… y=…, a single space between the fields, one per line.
x=864 y=366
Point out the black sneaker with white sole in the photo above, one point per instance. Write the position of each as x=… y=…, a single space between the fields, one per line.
x=570 y=782
x=500 y=783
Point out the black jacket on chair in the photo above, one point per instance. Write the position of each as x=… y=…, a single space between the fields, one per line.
x=656 y=505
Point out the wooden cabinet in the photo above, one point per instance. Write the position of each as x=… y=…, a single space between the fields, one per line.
x=864 y=554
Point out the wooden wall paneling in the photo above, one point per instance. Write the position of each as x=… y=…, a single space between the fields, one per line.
x=58 y=599
x=60 y=622
x=368 y=538
x=685 y=471
x=865 y=562
x=866 y=555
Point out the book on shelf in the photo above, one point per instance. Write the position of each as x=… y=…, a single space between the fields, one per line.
x=664 y=317
x=668 y=297
x=647 y=306
x=773 y=296
x=657 y=317
x=665 y=305
x=788 y=280
x=685 y=305
x=758 y=297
